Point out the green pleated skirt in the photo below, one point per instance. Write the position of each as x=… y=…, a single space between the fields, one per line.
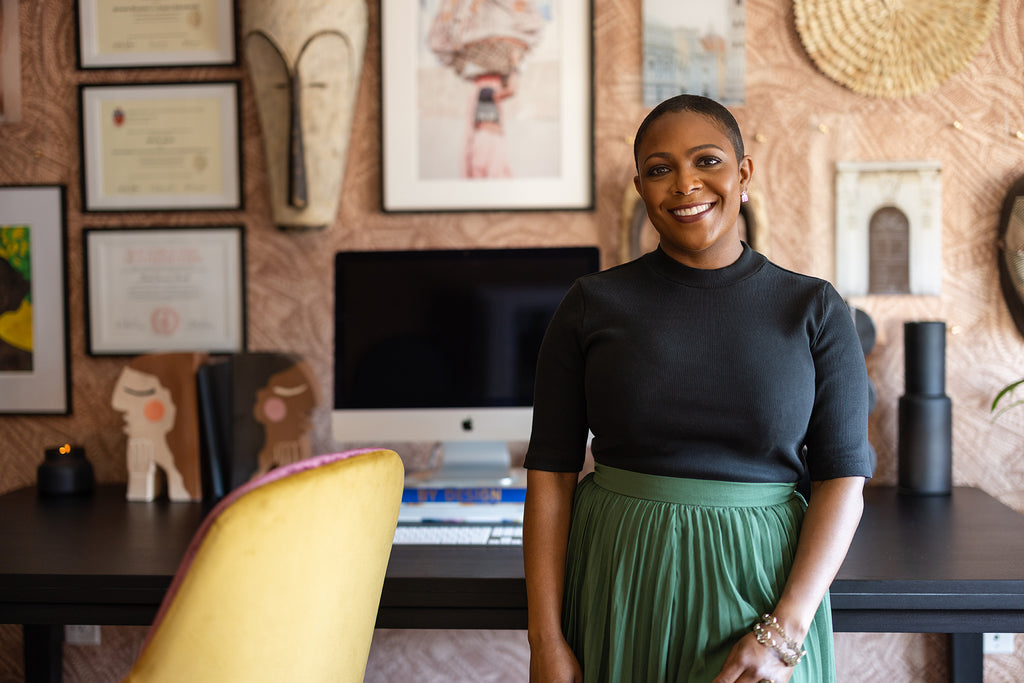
x=665 y=574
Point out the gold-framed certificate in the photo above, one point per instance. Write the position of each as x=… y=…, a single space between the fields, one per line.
x=160 y=147
x=164 y=289
x=145 y=33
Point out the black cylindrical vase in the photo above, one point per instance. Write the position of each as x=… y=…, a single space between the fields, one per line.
x=925 y=448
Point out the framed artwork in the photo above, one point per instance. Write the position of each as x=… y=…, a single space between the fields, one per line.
x=161 y=147
x=144 y=33
x=34 y=375
x=486 y=108
x=150 y=290
x=695 y=47
x=889 y=228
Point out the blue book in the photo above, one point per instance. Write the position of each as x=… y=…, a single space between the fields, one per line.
x=464 y=494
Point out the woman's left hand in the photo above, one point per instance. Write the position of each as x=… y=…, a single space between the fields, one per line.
x=751 y=662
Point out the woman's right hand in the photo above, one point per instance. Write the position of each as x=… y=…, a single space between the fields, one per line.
x=546 y=518
x=554 y=663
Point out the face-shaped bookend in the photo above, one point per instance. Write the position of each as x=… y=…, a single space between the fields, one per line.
x=284 y=407
x=156 y=396
x=1011 y=252
x=305 y=58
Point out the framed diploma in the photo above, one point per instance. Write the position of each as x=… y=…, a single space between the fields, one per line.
x=149 y=33
x=151 y=290
x=486 y=109
x=163 y=147
x=34 y=376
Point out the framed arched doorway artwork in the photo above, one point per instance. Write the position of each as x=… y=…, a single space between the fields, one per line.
x=888 y=228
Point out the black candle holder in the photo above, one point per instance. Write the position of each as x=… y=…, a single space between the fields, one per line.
x=65 y=471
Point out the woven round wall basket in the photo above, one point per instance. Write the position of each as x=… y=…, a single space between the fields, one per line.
x=893 y=48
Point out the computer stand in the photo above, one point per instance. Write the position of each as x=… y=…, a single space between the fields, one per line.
x=477 y=463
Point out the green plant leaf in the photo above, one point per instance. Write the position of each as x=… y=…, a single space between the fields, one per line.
x=1007 y=393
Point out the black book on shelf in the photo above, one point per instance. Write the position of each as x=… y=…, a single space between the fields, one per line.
x=213 y=384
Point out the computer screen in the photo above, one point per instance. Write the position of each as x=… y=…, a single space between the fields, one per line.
x=441 y=345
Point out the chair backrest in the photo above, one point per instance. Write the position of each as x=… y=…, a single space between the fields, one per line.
x=283 y=579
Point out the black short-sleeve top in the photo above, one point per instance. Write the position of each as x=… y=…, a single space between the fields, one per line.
x=722 y=374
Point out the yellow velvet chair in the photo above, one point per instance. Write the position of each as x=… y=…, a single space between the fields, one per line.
x=283 y=579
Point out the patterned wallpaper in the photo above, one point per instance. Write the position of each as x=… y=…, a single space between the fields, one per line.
x=797 y=123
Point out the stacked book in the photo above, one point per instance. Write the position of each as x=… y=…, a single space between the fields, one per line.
x=489 y=499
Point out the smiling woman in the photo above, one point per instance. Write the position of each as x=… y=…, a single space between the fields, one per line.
x=701 y=400
x=691 y=175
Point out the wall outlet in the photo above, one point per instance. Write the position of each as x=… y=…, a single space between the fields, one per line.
x=997 y=643
x=76 y=634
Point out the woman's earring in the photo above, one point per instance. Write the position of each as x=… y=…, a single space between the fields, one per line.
x=744 y=197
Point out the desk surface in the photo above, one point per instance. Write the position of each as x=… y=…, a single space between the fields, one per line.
x=946 y=564
x=935 y=564
x=60 y=557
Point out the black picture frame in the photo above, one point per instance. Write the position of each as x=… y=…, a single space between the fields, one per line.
x=161 y=146
x=142 y=35
x=164 y=289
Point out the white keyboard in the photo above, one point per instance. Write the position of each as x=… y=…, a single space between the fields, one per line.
x=459 y=534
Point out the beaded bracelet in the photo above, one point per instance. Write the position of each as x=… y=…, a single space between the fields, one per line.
x=788 y=650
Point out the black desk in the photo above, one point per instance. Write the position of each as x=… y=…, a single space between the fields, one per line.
x=932 y=565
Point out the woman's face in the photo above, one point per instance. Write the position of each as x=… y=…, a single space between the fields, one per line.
x=287 y=401
x=690 y=182
x=147 y=405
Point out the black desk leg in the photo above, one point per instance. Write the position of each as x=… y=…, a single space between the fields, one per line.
x=966 y=661
x=44 y=652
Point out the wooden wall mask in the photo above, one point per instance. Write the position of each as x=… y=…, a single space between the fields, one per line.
x=305 y=58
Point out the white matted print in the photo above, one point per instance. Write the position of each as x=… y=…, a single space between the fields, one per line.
x=486 y=105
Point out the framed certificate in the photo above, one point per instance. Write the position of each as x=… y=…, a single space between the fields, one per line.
x=163 y=147
x=486 y=110
x=151 y=290
x=34 y=375
x=148 y=33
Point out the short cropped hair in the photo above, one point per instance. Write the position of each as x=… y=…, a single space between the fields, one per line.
x=697 y=104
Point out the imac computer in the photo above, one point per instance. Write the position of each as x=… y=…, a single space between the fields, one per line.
x=440 y=346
